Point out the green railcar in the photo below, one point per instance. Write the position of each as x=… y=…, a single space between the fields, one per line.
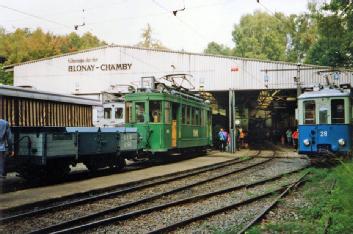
x=169 y=121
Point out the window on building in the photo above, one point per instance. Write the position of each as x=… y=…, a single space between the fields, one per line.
x=337 y=111
x=309 y=112
x=107 y=113
x=128 y=112
x=119 y=113
x=155 y=111
x=140 y=112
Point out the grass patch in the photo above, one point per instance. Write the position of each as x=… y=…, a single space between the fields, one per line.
x=319 y=204
x=242 y=158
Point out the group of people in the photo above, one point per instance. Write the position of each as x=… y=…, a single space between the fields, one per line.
x=6 y=143
x=288 y=137
x=292 y=137
x=240 y=136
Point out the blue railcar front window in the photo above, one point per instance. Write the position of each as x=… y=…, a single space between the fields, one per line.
x=309 y=112
x=323 y=116
x=337 y=111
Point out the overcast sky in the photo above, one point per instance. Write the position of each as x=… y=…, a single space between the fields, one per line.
x=121 y=21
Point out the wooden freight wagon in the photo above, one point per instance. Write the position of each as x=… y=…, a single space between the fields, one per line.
x=32 y=108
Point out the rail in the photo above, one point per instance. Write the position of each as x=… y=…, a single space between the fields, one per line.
x=66 y=227
x=177 y=176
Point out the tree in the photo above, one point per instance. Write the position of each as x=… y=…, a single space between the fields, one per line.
x=335 y=32
x=148 y=41
x=330 y=47
x=23 y=45
x=88 y=40
x=274 y=37
x=261 y=36
x=302 y=35
x=5 y=77
x=215 y=48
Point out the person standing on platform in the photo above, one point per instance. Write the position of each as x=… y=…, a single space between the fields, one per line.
x=295 y=138
x=246 y=143
x=237 y=137
x=289 y=136
x=241 y=137
x=5 y=139
x=223 y=137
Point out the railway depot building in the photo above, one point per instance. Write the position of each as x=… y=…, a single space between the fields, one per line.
x=255 y=94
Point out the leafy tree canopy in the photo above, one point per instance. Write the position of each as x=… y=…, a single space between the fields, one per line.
x=322 y=36
x=261 y=36
x=334 y=46
x=24 y=45
x=214 y=48
x=5 y=77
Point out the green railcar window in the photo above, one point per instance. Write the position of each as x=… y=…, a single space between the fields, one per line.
x=337 y=111
x=183 y=114
x=155 y=111
x=128 y=112
x=167 y=112
x=193 y=116
x=197 y=116
x=202 y=117
x=188 y=115
x=140 y=112
x=309 y=112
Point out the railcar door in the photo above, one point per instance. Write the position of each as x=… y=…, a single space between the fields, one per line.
x=175 y=109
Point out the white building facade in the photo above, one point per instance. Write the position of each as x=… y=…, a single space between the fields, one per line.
x=101 y=69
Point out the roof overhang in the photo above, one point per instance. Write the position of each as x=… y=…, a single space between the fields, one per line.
x=6 y=90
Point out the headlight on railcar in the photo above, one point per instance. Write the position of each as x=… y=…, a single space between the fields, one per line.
x=341 y=142
x=306 y=142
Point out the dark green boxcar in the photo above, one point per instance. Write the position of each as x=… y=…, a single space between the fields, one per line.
x=51 y=150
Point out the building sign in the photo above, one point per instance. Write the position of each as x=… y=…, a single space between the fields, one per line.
x=82 y=67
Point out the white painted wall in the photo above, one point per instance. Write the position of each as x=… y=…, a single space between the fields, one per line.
x=214 y=72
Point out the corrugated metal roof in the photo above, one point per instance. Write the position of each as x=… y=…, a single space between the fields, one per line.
x=6 y=90
x=211 y=72
x=326 y=92
x=158 y=50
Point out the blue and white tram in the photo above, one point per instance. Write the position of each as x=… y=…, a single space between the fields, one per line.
x=325 y=122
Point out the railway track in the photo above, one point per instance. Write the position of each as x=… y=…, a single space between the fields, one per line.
x=276 y=200
x=65 y=203
x=214 y=172
x=134 y=214
x=141 y=201
x=235 y=205
x=151 y=204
